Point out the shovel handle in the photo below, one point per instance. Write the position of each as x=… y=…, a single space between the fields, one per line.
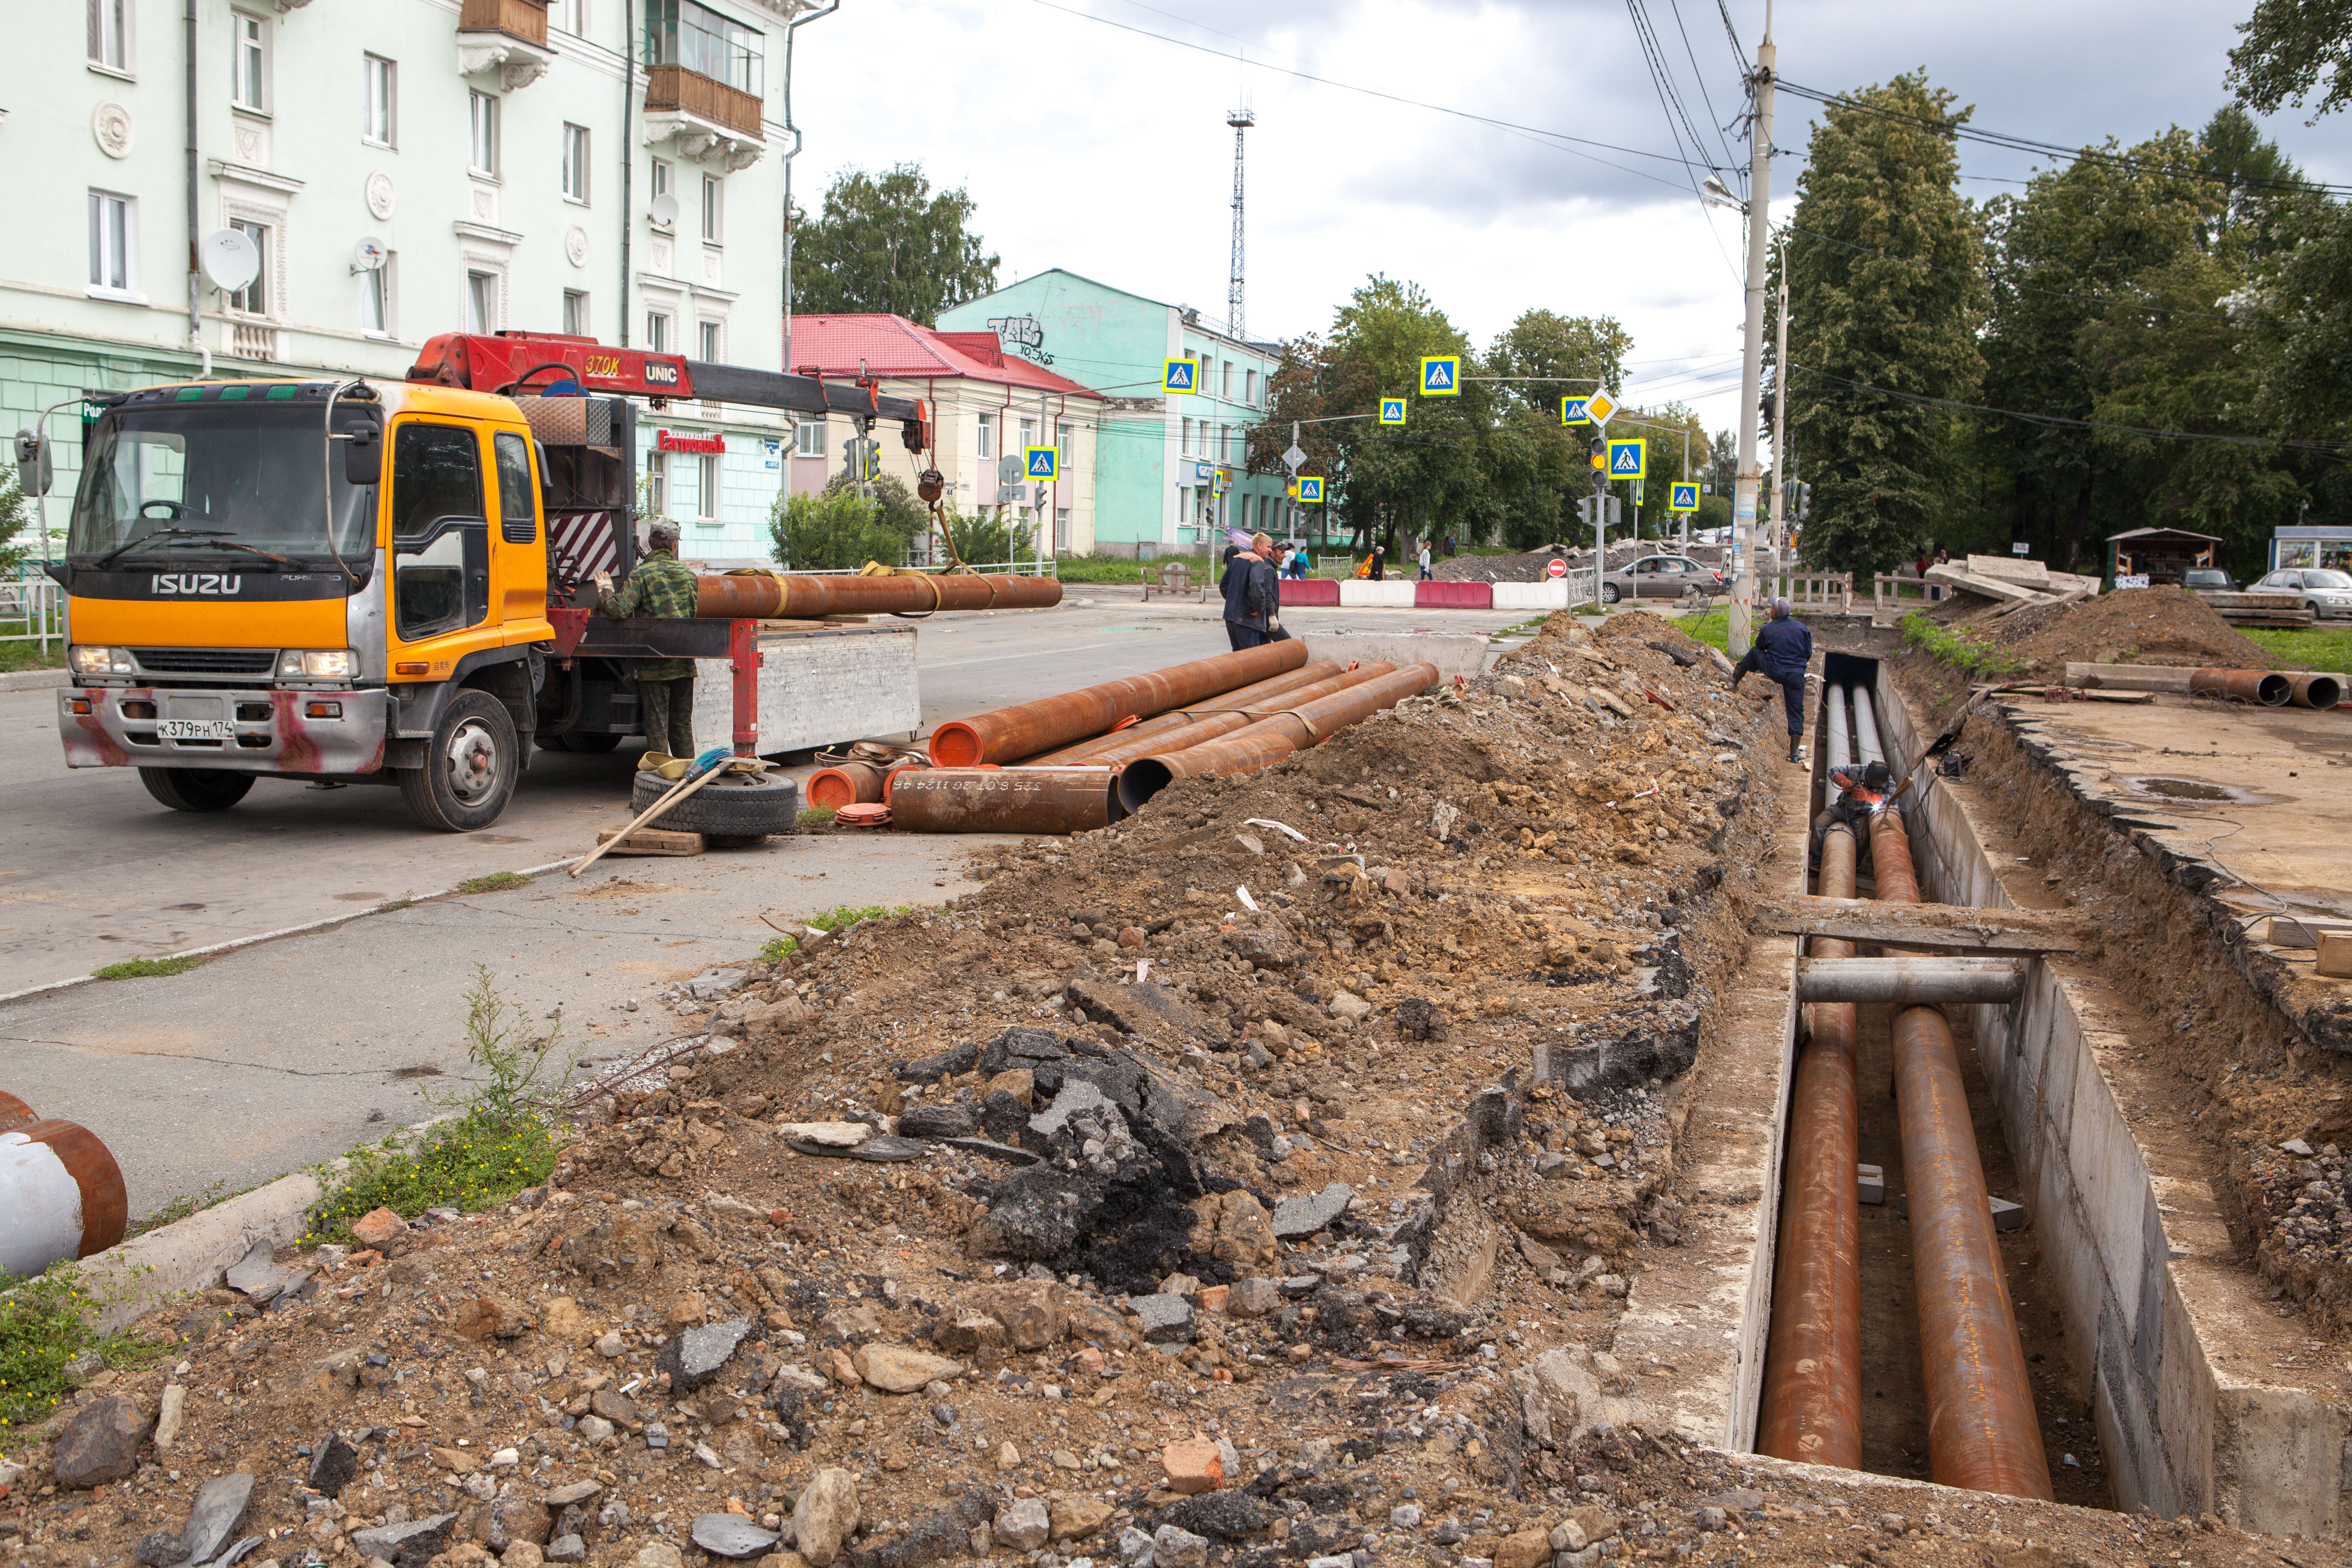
x=677 y=793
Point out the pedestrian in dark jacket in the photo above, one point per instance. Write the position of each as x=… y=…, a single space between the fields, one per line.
x=1780 y=652
x=659 y=587
x=1251 y=593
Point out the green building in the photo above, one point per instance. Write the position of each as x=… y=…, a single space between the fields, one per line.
x=1171 y=470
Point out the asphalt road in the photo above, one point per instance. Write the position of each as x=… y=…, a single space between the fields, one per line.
x=283 y=1053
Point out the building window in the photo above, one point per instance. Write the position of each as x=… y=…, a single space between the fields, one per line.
x=1184 y=440
x=110 y=34
x=808 y=438
x=481 y=302
x=375 y=299
x=575 y=164
x=657 y=332
x=656 y=483
x=712 y=210
x=575 y=313
x=253 y=300
x=1028 y=435
x=987 y=435
x=376 y=100
x=113 y=237
x=570 y=17
x=661 y=188
x=708 y=481
x=1249 y=387
x=681 y=33
x=248 y=66
x=1225 y=386
x=482 y=144
x=1061 y=529
x=711 y=343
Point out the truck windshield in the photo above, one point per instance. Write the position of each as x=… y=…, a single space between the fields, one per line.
x=178 y=482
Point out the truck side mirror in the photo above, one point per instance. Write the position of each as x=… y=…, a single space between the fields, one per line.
x=362 y=452
x=34 y=472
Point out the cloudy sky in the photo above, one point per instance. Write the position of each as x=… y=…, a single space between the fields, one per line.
x=1092 y=133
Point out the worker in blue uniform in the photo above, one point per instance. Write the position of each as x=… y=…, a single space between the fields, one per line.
x=1780 y=652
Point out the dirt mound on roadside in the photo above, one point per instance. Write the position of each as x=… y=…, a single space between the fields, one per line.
x=2135 y=626
x=1533 y=565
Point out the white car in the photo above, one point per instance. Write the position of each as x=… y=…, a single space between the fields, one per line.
x=2327 y=593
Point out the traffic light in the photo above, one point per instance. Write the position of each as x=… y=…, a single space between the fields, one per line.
x=1599 y=448
x=862 y=457
x=1804 y=502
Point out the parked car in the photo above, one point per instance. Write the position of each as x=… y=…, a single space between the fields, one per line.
x=2329 y=594
x=1661 y=577
x=2207 y=580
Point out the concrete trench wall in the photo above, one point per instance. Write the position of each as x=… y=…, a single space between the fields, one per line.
x=2144 y=1265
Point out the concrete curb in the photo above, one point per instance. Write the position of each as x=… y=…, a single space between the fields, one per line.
x=35 y=680
x=189 y=1254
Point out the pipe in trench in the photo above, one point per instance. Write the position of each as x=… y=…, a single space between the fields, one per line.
x=1269 y=740
x=1289 y=681
x=768 y=596
x=1982 y=1432
x=1865 y=729
x=1215 y=726
x=1910 y=981
x=1838 y=745
x=1812 y=1369
x=1003 y=800
x=1009 y=734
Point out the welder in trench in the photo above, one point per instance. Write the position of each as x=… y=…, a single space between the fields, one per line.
x=1862 y=791
x=1780 y=652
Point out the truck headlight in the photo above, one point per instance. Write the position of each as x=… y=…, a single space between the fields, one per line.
x=317 y=664
x=98 y=660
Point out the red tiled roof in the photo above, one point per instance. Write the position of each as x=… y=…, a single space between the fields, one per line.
x=896 y=347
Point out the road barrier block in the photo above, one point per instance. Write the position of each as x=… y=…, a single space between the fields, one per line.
x=1362 y=594
x=1435 y=595
x=1550 y=595
x=1310 y=591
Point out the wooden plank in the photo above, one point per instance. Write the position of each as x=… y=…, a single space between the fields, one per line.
x=1937 y=926
x=651 y=841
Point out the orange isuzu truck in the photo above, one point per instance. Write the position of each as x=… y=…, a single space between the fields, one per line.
x=369 y=580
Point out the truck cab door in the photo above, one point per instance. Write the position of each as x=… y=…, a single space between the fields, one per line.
x=519 y=555
x=440 y=533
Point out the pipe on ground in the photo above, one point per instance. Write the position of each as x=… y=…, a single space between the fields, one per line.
x=1215 y=726
x=767 y=596
x=2272 y=689
x=1811 y=1409
x=1289 y=681
x=1269 y=740
x=2311 y=690
x=61 y=1195
x=1009 y=734
x=844 y=784
x=2267 y=686
x=1003 y=800
x=1910 y=981
x=1982 y=1431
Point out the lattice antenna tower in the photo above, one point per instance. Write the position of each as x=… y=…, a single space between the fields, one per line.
x=1241 y=120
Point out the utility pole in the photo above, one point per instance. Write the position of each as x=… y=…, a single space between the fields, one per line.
x=1780 y=469
x=1241 y=120
x=1751 y=363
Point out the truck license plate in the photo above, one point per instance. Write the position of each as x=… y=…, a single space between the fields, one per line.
x=197 y=730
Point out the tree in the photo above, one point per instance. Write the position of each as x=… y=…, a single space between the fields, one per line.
x=2289 y=45
x=1886 y=291
x=15 y=516
x=839 y=528
x=989 y=538
x=889 y=243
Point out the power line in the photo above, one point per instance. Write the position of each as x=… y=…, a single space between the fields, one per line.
x=1700 y=77
x=1652 y=57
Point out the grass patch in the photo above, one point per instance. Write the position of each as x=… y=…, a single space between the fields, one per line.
x=496 y=882
x=1099 y=569
x=779 y=949
x=471 y=1163
x=45 y=1324
x=180 y=1208
x=846 y=916
x=2323 y=648
x=147 y=968
x=15 y=655
x=815 y=816
x=1713 y=628
x=1966 y=650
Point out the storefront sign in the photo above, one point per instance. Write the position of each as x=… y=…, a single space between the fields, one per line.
x=669 y=441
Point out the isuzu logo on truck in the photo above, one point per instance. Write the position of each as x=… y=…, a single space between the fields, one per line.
x=175 y=582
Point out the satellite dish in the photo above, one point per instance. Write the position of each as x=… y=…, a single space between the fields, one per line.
x=665 y=209
x=230 y=259
x=369 y=254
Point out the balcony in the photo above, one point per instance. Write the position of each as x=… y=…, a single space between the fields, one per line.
x=704 y=114
x=506 y=35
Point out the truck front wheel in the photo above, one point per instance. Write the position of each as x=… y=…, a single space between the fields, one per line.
x=470 y=767
x=195 y=789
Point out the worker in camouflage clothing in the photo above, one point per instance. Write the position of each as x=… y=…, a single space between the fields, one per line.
x=659 y=587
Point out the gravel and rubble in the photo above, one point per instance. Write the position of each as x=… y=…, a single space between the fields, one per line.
x=1261 y=1181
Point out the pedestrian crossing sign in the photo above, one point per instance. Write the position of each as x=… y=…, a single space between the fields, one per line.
x=1180 y=376
x=1682 y=497
x=1628 y=460
x=1310 y=489
x=1441 y=376
x=1571 y=412
x=1045 y=462
x=1391 y=410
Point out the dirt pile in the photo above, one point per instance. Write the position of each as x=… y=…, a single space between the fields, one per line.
x=1532 y=566
x=2135 y=626
x=1179 y=1196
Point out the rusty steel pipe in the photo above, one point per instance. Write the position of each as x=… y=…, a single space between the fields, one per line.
x=1003 y=800
x=1270 y=740
x=1910 y=981
x=2310 y=690
x=844 y=784
x=2267 y=686
x=1289 y=681
x=770 y=596
x=1215 y=726
x=1811 y=1409
x=1982 y=1431
x=61 y=1195
x=14 y=1112
x=1009 y=734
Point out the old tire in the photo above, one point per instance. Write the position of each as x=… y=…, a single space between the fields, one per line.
x=471 y=766
x=723 y=808
x=1611 y=593
x=195 y=789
